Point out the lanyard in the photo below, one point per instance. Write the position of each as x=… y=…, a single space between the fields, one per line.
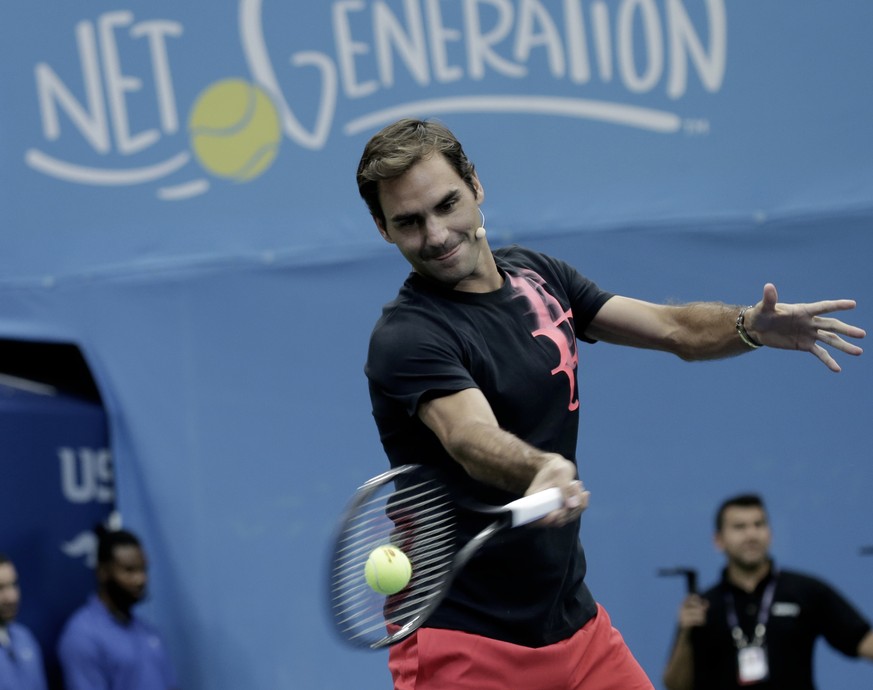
x=739 y=636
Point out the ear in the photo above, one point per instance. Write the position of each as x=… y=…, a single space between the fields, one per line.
x=381 y=226
x=718 y=542
x=479 y=189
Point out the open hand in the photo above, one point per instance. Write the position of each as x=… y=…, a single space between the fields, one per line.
x=802 y=326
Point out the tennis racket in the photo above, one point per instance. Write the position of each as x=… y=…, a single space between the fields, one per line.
x=411 y=509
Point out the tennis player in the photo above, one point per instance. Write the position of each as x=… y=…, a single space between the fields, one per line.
x=472 y=369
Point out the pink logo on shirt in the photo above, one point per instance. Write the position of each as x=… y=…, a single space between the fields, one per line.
x=553 y=322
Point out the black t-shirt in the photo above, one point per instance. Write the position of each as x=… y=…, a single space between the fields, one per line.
x=518 y=346
x=803 y=609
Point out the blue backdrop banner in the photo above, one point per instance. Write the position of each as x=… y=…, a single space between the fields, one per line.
x=179 y=131
x=177 y=198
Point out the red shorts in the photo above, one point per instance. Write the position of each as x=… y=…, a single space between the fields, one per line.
x=595 y=658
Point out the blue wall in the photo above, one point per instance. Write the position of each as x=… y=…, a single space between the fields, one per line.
x=226 y=320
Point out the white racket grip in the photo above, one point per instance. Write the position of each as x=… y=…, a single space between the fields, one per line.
x=530 y=508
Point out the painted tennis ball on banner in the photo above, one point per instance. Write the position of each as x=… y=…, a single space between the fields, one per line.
x=234 y=129
x=388 y=570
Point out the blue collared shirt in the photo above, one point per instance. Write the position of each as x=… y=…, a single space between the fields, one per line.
x=99 y=652
x=21 y=661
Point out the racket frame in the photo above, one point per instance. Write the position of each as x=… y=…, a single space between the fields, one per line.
x=521 y=511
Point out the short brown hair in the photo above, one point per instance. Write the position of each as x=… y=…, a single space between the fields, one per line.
x=741 y=501
x=397 y=147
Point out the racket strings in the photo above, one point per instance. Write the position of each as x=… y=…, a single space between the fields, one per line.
x=417 y=518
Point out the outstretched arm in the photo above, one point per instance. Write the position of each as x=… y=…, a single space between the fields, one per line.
x=708 y=330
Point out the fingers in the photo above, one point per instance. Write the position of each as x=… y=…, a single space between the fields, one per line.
x=837 y=326
x=830 y=337
x=770 y=298
x=693 y=611
x=827 y=306
x=826 y=359
x=576 y=499
x=827 y=334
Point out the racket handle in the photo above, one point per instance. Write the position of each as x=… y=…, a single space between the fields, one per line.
x=530 y=508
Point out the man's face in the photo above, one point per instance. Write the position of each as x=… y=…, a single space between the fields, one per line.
x=745 y=536
x=125 y=578
x=432 y=216
x=10 y=595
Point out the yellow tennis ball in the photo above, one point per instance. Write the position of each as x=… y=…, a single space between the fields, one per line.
x=388 y=570
x=234 y=129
